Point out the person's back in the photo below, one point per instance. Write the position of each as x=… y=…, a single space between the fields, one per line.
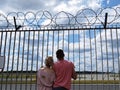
x=46 y=75
x=45 y=78
x=64 y=71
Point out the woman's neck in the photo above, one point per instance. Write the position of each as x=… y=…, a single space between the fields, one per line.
x=47 y=67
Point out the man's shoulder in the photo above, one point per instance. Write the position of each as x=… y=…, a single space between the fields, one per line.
x=68 y=61
x=64 y=61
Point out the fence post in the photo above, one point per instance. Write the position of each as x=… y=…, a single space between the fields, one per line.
x=105 y=24
x=16 y=27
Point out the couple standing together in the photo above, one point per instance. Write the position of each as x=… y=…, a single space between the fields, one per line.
x=56 y=76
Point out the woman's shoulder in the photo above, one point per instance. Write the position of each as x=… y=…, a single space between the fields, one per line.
x=41 y=69
x=52 y=70
x=46 y=69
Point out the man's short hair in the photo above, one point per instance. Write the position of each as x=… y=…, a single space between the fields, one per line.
x=60 y=54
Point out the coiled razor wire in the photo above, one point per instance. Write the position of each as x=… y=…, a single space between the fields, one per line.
x=44 y=19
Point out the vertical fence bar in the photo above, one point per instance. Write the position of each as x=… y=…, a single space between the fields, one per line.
x=22 y=60
x=73 y=52
x=7 y=64
x=53 y=38
x=118 y=53
x=105 y=26
x=64 y=31
x=113 y=60
x=26 y=72
x=96 y=72
x=68 y=44
x=91 y=57
x=5 y=46
x=31 y=72
x=27 y=66
x=5 y=50
x=101 y=49
x=43 y=47
x=1 y=72
x=117 y=58
x=84 y=59
x=38 y=36
x=1 y=34
x=13 y=57
x=48 y=43
x=79 y=57
x=0 y=41
x=9 y=53
x=38 y=50
x=11 y=71
x=107 y=66
x=58 y=46
x=4 y=53
x=18 y=60
x=31 y=57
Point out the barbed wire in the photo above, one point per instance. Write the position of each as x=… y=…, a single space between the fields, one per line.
x=41 y=19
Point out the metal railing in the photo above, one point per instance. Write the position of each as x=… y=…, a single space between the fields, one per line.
x=93 y=48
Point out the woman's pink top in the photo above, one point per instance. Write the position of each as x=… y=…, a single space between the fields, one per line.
x=45 y=79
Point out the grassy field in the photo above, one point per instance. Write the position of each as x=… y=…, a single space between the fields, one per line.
x=28 y=78
x=95 y=81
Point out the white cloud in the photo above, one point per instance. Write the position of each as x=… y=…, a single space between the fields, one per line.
x=52 y=6
x=72 y=6
x=66 y=8
x=108 y=1
x=94 y=4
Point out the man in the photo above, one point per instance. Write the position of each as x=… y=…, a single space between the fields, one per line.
x=64 y=71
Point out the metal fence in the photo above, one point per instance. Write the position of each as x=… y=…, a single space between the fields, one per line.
x=90 y=42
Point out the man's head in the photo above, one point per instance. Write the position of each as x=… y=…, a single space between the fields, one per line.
x=60 y=54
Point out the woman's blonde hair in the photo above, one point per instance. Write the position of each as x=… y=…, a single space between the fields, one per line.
x=49 y=61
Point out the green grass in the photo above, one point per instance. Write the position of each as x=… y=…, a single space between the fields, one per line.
x=95 y=81
x=73 y=82
x=18 y=76
x=23 y=78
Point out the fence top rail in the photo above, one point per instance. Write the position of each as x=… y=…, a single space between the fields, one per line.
x=60 y=29
x=85 y=18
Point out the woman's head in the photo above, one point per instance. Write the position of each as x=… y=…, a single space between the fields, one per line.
x=49 y=61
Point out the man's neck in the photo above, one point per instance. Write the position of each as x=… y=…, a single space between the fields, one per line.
x=61 y=59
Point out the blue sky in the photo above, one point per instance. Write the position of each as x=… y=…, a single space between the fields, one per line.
x=55 y=6
x=110 y=3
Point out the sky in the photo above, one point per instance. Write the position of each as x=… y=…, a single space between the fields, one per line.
x=54 y=5
x=72 y=7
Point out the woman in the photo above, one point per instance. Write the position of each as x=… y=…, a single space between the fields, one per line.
x=46 y=75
